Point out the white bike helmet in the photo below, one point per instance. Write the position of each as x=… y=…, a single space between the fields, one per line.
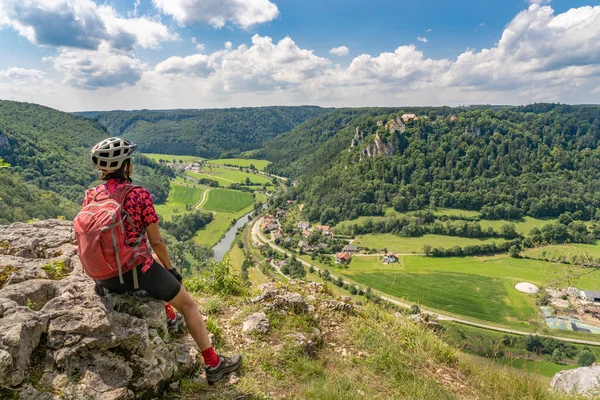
x=109 y=154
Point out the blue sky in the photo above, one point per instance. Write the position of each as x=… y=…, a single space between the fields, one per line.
x=81 y=54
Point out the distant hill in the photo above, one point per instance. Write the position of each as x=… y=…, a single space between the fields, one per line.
x=48 y=152
x=214 y=133
x=540 y=160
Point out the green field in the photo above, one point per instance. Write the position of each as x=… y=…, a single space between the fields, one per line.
x=478 y=288
x=399 y=244
x=181 y=193
x=227 y=176
x=554 y=251
x=242 y=162
x=170 y=157
x=228 y=201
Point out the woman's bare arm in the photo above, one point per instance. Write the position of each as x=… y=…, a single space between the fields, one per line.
x=158 y=245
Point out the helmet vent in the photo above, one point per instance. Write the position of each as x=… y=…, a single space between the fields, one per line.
x=104 y=155
x=117 y=153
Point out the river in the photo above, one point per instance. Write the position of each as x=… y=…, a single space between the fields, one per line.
x=225 y=244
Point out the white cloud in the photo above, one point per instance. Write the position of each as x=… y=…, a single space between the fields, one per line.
x=196 y=65
x=200 y=47
x=194 y=40
x=428 y=30
x=541 y=56
x=340 y=51
x=21 y=76
x=422 y=39
x=539 y=2
x=105 y=67
x=80 y=24
x=244 y=13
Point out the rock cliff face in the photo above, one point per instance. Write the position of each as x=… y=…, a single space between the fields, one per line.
x=378 y=147
x=584 y=381
x=58 y=339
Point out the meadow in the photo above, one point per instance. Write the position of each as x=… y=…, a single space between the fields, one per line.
x=228 y=201
x=476 y=288
x=241 y=162
x=227 y=176
x=170 y=157
x=566 y=250
x=182 y=193
x=399 y=244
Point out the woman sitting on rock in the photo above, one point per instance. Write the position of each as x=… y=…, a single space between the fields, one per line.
x=113 y=229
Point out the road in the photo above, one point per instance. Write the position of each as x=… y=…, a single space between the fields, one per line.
x=259 y=237
x=204 y=196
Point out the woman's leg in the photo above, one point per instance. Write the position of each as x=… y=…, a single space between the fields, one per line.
x=184 y=303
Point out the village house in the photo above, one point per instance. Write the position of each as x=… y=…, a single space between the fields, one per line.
x=453 y=118
x=268 y=219
x=303 y=225
x=291 y=201
x=350 y=248
x=409 y=117
x=277 y=235
x=590 y=296
x=342 y=258
x=325 y=230
x=322 y=246
x=389 y=258
x=306 y=233
x=287 y=239
x=270 y=227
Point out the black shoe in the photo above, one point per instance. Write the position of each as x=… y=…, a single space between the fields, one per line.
x=226 y=365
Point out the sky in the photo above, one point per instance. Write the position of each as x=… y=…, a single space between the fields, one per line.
x=77 y=55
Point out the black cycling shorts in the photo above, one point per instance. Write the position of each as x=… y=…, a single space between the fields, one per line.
x=156 y=281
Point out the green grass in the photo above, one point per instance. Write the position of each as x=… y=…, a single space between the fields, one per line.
x=242 y=162
x=170 y=157
x=228 y=201
x=399 y=244
x=181 y=194
x=544 y=368
x=478 y=288
x=523 y=226
x=554 y=251
x=454 y=212
x=227 y=177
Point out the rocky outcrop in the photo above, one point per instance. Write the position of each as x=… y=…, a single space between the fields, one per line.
x=583 y=381
x=358 y=138
x=58 y=336
x=257 y=322
x=379 y=147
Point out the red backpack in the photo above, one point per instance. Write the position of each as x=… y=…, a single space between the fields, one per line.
x=100 y=233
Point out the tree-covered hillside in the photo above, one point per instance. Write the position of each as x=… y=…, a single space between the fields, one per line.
x=48 y=153
x=208 y=133
x=540 y=160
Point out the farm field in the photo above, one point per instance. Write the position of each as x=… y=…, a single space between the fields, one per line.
x=171 y=157
x=567 y=250
x=227 y=200
x=523 y=226
x=182 y=193
x=399 y=244
x=228 y=176
x=241 y=162
x=478 y=288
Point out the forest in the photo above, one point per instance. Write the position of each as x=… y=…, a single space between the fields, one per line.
x=213 y=133
x=539 y=160
x=49 y=168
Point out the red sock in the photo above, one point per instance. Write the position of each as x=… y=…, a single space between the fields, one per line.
x=170 y=312
x=210 y=357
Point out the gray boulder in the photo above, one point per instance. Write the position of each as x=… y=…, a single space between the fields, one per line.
x=583 y=381
x=292 y=302
x=70 y=340
x=257 y=322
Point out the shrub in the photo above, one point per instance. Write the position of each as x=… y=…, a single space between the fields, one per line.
x=217 y=278
x=586 y=358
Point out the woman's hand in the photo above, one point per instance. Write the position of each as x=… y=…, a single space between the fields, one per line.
x=176 y=274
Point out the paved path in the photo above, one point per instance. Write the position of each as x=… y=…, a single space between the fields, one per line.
x=204 y=197
x=442 y=317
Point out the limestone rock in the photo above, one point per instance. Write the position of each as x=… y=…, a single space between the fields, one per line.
x=335 y=305
x=82 y=345
x=584 y=381
x=269 y=293
x=293 y=302
x=257 y=322
x=307 y=345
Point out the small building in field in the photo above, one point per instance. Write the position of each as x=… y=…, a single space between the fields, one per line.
x=389 y=258
x=342 y=258
x=350 y=248
x=590 y=296
x=303 y=225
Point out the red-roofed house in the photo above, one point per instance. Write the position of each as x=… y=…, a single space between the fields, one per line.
x=342 y=258
x=389 y=258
